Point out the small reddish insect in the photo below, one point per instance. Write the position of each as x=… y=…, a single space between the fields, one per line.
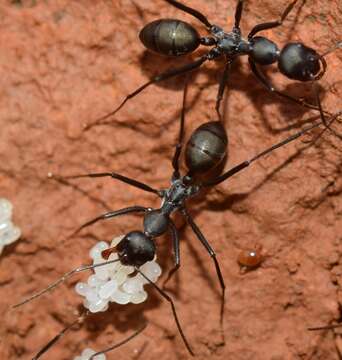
x=249 y=259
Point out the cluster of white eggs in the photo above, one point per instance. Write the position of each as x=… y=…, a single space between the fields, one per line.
x=8 y=232
x=115 y=282
x=87 y=353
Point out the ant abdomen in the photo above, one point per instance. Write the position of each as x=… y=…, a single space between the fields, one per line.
x=299 y=62
x=170 y=37
x=263 y=51
x=206 y=147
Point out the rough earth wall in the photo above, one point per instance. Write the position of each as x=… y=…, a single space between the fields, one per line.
x=65 y=63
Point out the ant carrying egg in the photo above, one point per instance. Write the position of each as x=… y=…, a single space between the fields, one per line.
x=204 y=151
x=50 y=211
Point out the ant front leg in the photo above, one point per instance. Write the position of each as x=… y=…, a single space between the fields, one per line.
x=212 y=254
x=109 y=215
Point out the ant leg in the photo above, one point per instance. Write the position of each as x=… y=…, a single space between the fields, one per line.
x=321 y=112
x=261 y=77
x=323 y=62
x=109 y=215
x=173 y=307
x=272 y=24
x=222 y=86
x=62 y=279
x=166 y=75
x=238 y=13
x=113 y=175
x=327 y=327
x=175 y=160
x=175 y=241
x=246 y=163
x=212 y=253
x=198 y=15
x=122 y=342
x=46 y=347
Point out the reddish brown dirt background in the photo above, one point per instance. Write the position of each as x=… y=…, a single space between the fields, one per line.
x=65 y=63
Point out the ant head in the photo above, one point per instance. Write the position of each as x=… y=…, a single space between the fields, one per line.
x=299 y=62
x=135 y=249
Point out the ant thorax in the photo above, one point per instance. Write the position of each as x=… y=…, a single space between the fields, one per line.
x=230 y=43
x=176 y=194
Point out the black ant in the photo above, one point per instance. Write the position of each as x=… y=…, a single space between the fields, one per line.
x=172 y=37
x=204 y=152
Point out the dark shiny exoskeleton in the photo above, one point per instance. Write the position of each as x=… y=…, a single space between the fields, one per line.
x=170 y=37
x=173 y=37
x=299 y=62
x=135 y=249
x=204 y=152
x=206 y=148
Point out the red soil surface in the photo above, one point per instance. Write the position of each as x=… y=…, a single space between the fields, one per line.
x=65 y=63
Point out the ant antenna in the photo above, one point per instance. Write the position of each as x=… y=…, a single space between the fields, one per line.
x=46 y=347
x=80 y=320
x=122 y=342
x=62 y=279
x=333 y=48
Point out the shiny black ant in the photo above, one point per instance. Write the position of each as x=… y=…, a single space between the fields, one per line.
x=172 y=37
x=204 y=152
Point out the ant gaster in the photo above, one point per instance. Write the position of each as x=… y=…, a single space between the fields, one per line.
x=204 y=151
x=172 y=37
